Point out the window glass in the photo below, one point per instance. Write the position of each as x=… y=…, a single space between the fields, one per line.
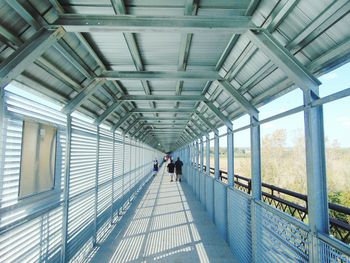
x=37 y=158
x=242 y=153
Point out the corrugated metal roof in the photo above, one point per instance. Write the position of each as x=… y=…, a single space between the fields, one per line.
x=68 y=67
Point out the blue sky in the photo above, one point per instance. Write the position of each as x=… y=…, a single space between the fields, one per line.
x=336 y=114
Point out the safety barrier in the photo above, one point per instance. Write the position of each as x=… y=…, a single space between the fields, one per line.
x=259 y=232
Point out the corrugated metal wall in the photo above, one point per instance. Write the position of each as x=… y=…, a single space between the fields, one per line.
x=32 y=229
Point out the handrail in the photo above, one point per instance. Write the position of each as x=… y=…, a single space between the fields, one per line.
x=339 y=228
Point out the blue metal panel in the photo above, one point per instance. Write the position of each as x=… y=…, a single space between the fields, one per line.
x=209 y=198
x=239 y=224
x=220 y=211
x=332 y=250
x=198 y=184
x=281 y=237
x=202 y=188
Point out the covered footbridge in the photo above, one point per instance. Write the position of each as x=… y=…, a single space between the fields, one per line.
x=92 y=92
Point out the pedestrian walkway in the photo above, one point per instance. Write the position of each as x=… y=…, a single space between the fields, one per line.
x=168 y=224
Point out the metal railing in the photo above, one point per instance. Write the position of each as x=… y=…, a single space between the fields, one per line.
x=293 y=203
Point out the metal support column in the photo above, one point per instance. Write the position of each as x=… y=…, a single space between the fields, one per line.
x=123 y=174
x=255 y=158
x=256 y=182
x=96 y=184
x=130 y=168
x=2 y=131
x=187 y=160
x=216 y=155
x=207 y=152
x=66 y=189
x=202 y=181
x=230 y=157
x=201 y=157
x=113 y=177
x=316 y=172
x=197 y=170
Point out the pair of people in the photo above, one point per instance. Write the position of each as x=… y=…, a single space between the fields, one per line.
x=177 y=167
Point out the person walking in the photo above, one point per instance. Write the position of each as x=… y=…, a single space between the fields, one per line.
x=178 y=167
x=171 y=168
x=155 y=167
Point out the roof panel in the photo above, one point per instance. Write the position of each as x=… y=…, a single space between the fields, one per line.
x=207 y=48
x=158 y=48
x=112 y=49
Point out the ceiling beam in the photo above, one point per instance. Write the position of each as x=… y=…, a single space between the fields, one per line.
x=23 y=57
x=162 y=110
x=162 y=98
x=125 y=23
x=239 y=98
x=119 y=9
x=329 y=16
x=164 y=119
x=122 y=120
x=108 y=111
x=205 y=121
x=191 y=7
x=154 y=75
x=132 y=125
x=138 y=130
x=83 y=95
x=218 y=113
x=283 y=59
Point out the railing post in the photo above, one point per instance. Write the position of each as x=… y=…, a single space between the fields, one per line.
x=66 y=189
x=216 y=155
x=230 y=157
x=96 y=184
x=113 y=177
x=255 y=183
x=316 y=172
x=207 y=158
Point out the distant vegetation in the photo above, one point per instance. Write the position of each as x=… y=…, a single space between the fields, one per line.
x=285 y=166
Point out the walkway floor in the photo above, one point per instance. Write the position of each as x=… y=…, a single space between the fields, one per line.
x=167 y=225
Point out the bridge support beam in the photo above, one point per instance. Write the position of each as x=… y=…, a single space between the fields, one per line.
x=207 y=153
x=197 y=169
x=113 y=178
x=188 y=161
x=230 y=157
x=66 y=189
x=256 y=181
x=256 y=159
x=96 y=183
x=316 y=172
x=201 y=156
x=216 y=155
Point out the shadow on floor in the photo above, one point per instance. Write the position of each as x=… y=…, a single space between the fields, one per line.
x=167 y=224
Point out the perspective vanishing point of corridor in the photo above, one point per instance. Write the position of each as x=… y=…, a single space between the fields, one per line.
x=167 y=224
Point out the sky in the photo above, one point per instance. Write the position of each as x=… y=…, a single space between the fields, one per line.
x=336 y=114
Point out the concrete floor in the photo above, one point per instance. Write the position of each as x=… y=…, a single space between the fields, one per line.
x=167 y=224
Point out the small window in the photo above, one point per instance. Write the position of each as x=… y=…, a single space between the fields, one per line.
x=37 y=158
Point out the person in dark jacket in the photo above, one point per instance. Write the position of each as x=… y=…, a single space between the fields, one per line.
x=171 y=168
x=178 y=167
x=155 y=167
